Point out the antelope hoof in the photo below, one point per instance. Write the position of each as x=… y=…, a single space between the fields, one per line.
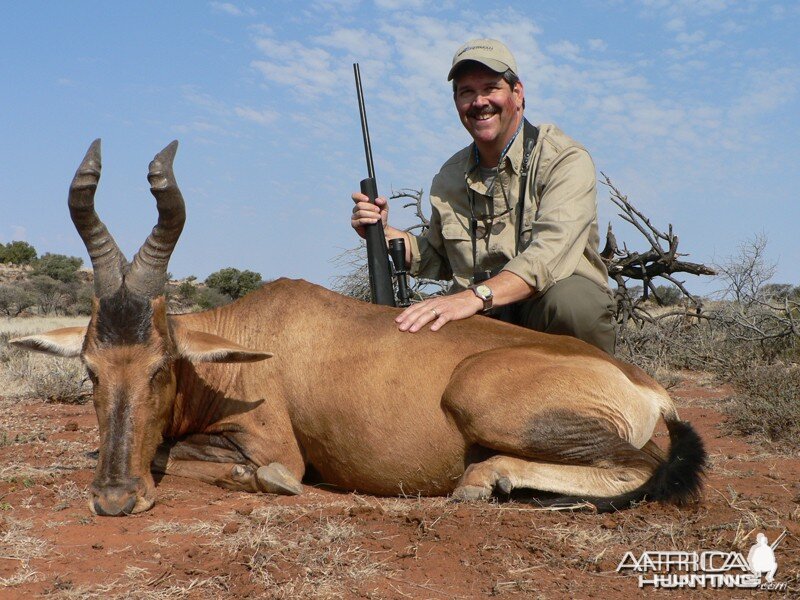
x=504 y=485
x=470 y=493
x=274 y=478
x=244 y=475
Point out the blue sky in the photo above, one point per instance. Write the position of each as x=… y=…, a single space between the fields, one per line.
x=690 y=106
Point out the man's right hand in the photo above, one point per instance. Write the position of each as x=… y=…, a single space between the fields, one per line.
x=365 y=212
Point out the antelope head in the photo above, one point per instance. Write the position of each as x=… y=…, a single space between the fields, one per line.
x=130 y=345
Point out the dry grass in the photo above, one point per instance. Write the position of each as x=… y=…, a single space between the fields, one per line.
x=17 y=544
x=294 y=553
x=767 y=406
x=138 y=588
x=26 y=374
x=195 y=527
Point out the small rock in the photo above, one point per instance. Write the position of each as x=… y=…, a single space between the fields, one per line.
x=97 y=546
x=230 y=528
x=608 y=523
x=71 y=426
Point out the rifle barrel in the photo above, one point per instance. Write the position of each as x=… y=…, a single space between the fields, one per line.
x=362 y=109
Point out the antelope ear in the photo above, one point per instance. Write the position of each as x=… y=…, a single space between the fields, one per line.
x=58 y=342
x=198 y=346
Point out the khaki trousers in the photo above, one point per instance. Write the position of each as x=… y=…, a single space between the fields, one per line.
x=573 y=306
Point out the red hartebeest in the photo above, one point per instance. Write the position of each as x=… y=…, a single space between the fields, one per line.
x=477 y=408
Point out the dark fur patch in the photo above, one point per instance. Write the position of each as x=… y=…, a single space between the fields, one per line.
x=677 y=480
x=124 y=319
x=115 y=468
x=561 y=436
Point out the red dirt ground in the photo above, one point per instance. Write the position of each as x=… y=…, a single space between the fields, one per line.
x=200 y=541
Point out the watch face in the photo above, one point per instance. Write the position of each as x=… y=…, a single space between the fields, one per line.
x=485 y=291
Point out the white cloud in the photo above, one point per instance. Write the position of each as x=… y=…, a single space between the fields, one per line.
x=200 y=126
x=690 y=38
x=231 y=9
x=597 y=45
x=565 y=49
x=401 y=4
x=307 y=69
x=676 y=24
x=765 y=91
x=262 y=117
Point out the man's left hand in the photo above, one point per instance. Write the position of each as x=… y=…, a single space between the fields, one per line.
x=439 y=310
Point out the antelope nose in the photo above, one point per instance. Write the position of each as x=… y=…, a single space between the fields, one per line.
x=114 y=501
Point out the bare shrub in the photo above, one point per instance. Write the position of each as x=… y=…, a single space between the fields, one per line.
x=26 y=374
x=767 y=405
x=53 y=379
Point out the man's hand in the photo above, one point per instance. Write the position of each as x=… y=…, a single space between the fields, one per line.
x=366 y=213
x=439 y=310
x=506 y=288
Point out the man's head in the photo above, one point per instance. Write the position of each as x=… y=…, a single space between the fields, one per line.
x=488 y=94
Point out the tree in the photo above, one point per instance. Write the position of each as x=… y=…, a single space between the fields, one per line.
x=14 y=299
x=17 y=252
x=51 y=294
x=667 y=295
x=58 y=266
x=233 y=282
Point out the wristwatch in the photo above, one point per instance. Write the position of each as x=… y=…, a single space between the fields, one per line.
x=484 y=292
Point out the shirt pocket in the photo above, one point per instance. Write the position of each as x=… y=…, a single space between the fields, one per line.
x=458 y=247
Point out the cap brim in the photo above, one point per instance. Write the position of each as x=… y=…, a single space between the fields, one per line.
x=494 y=65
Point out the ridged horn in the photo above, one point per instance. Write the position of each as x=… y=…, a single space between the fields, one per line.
x=148 y=271
x=107 y=260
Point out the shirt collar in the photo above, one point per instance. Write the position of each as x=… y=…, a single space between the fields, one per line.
x=511 y=155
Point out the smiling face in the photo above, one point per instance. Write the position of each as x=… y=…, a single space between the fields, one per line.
x=489 y=108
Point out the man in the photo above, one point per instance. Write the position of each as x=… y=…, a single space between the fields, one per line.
x=514 y=227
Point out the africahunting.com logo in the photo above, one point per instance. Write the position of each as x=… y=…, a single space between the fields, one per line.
x=708 y=568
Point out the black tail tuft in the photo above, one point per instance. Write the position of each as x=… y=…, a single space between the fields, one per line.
x=680 y=477
x=677 y=480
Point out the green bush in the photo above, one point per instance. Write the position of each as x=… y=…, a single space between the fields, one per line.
x=58 y=266
x=17 y=252
x=668 y=295
x=233 y=282
x=211 y=298
x=187 y=292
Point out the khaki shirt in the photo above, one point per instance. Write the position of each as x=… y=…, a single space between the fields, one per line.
x=559 y=231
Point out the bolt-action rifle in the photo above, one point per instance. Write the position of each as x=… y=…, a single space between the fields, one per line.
x=380 y=274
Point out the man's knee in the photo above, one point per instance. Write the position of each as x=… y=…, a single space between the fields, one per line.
x=573 y=306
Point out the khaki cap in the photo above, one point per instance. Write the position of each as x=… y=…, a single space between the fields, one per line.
x=488 y=52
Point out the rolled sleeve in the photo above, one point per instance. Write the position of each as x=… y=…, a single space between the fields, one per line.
x=561 y=227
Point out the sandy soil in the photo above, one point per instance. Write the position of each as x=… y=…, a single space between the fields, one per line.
x=200 y=541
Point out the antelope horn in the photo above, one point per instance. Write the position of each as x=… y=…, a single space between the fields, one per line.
x=107 y=260
x=148 y=271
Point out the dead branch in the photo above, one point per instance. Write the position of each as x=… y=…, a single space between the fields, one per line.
x=662 y=260
x=416 y=196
